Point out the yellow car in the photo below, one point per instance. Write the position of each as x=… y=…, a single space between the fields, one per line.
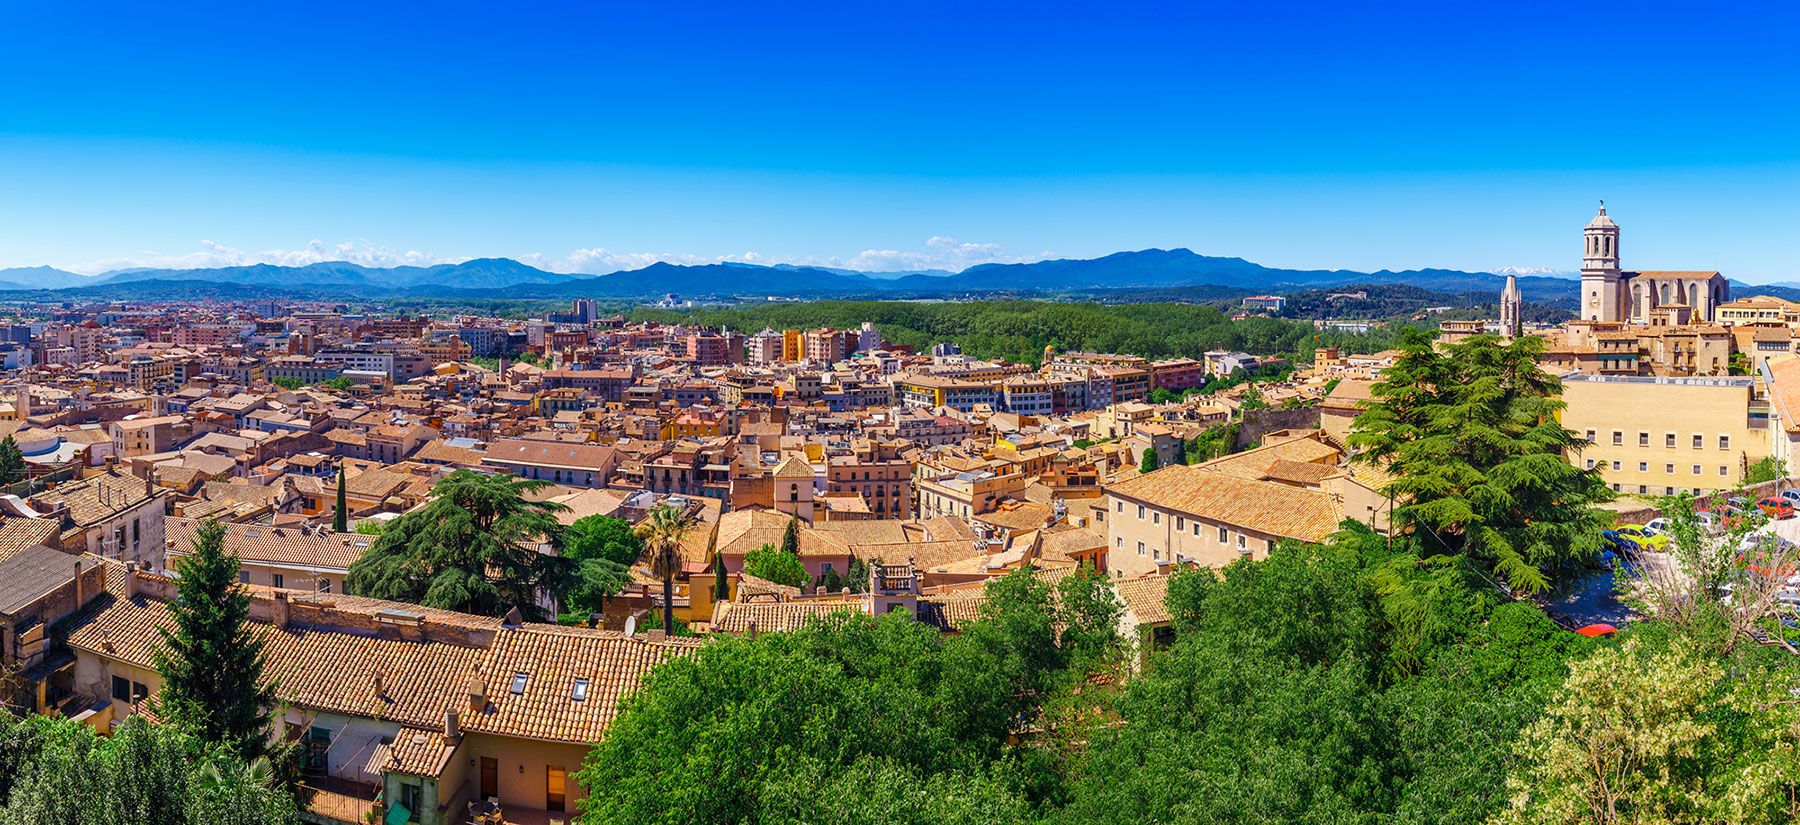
x=1646 y=538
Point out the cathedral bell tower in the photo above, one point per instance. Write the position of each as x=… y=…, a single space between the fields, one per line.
x=1601 y=296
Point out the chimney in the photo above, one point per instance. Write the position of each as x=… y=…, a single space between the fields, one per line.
x=452 y=725
x=281 y=609
x=477 y=690
x=131 y=579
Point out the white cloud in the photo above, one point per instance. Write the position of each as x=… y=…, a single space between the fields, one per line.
x=938 y=252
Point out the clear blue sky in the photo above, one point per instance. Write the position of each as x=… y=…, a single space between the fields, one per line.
x=593 y=135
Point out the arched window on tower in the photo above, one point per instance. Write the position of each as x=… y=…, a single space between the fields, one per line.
x=1694 y=295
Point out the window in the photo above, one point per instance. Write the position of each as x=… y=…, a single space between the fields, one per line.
x=1140 y=512
x=1643 y=488
x=1196 y=529
x=1242 y=548
x=579 y=694
x=1121 y=506
x=1590 y=436
x=1222 y=536
x=1618 y=438
x=1156 y=518
x=244 y=576
x=1696 y=469
x=1140 y=548
x=1699 y=441
x=1724 y=470
x=518 y=683
x=1670 y=469
x=121 y=689
x=1615 y=466
x=1669 y=440
x=279 y=582
x=324 y=585
x=1643 y=466
x=1724 y=442
x=409 y=799
x=1180 y=524
x=1121 y=541
x=1643 y=439
x=1590 y=464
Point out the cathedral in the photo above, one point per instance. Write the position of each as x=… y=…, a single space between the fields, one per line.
x=1653 y=298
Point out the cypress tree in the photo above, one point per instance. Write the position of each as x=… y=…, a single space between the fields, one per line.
x=211 y=662
x=790 y=539
x=341 y=520
x=12 y=462
x=721 y=587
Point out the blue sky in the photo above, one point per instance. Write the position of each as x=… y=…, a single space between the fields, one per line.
x=589 y=137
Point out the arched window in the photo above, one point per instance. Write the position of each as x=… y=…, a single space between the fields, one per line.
x=1665 y=294
x=1694 y=295
x=793 y=492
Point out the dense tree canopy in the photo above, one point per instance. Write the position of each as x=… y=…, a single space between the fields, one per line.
x=1019 y=330
x=473 y=548
x=603 y=549
x=57 y=772
x=851 y=719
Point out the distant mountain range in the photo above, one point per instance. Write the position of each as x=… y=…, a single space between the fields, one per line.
x=1166 y=273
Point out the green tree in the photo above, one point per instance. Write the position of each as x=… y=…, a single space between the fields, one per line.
x=1088 y=610
x=472 y=548
x=663 y=532
x=721 y=584
x=1148 y=462
x=603 y=549
x=1252 y=400
x=340 y=519
x=790 y=538
x=776 y=565
x=1766 y=470
x=12 y=462
x=210 y=660
x=1624 y=741
x=1470 y=433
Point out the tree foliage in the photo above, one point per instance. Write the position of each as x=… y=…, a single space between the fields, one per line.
x=774 y=564
x=1470 y=433
x=12 y=462
x=210 y=660
x=473 y=548
x=57 y=772
x=603 y=549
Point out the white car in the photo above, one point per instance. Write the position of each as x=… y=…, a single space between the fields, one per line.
x=1792 y=495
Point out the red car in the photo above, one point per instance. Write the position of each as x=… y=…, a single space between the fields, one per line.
x=1725 y=516
x=1776 y=507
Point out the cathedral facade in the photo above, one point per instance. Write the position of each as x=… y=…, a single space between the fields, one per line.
x=1649 y=297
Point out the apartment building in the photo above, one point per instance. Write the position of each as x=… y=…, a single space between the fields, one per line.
x=1663 y=435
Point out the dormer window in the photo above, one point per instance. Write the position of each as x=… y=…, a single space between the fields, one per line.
x=518 y=683
x=580 y=693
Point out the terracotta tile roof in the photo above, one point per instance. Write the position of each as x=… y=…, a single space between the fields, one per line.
x=446 y=453
x=1253 y=464
x=1784 y=391
x=415 y=751
x=1265 y=507
x=741 y=531
x=18 y=534
x=1672 y=274
x=1299 y=472
x=96 y=499
x=1145 y=597
x=549 y=454
x=337 y=670
x=274 y=545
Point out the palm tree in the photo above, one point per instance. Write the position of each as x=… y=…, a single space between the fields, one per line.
x=662 y=533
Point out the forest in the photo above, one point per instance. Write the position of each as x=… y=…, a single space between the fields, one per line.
x=1019 y=330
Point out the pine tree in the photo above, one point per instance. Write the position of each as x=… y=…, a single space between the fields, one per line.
x=12 y=462
x=341 y=521
x=211 y=663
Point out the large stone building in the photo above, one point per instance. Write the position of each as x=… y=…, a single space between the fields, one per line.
x=1611 y=294
x=1666 y=435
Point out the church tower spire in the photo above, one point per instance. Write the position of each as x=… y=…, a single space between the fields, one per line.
x=1601 y=294
x=1512 y=308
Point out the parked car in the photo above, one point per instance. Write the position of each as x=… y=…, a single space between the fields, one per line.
x=1645 y=537
x=1660 y=524
x=1721 y=517
x=1792 y=495
x=1776 y=507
